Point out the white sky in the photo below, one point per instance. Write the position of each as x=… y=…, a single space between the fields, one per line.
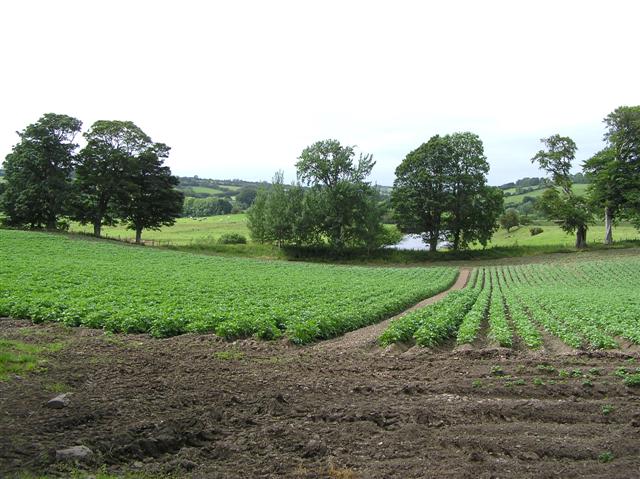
x=239 y=88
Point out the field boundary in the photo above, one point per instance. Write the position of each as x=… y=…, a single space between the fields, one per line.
x=368 y=336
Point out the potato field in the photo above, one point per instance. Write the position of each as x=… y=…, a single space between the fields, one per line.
x=588 y=305
x=132 y=289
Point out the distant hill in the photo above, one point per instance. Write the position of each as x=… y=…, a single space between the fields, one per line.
x=196 y=187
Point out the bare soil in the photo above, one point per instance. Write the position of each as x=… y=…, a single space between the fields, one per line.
x=198 y=406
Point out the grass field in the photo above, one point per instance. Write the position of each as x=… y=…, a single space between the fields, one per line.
x=202 y=233
x=185 y=231
x=134 y=289
x=553 y=235
x=579 y=189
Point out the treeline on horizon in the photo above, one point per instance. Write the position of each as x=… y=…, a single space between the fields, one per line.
x=440 y=190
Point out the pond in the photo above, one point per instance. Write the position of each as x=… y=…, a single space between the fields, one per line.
x=415 y=242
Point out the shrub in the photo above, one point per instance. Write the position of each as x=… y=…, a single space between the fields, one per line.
x=232 y=238
x=535 y=230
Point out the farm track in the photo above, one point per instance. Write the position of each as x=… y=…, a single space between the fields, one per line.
x=197 y=406
x=367 y=337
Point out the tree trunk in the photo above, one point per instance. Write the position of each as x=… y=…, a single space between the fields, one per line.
x=433 y=240
x=97 y=229
x=456 y=240
x=608 y=226
x=138 y=235
x=581 y=237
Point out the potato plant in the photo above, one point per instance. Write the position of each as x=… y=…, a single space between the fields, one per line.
x=585 y=304
x=48 y=277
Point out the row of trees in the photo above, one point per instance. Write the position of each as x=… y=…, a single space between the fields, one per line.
x=118 y=176
x=614 y=174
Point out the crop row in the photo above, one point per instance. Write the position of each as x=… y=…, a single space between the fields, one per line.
x=585 y=304
x=117 y=287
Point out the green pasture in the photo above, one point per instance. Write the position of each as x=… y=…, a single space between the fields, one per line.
x=554 y=236
x=579 y=189
x=186 y=231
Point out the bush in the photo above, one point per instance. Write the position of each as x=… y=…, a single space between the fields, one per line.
x=232 y=238
x=535 y=230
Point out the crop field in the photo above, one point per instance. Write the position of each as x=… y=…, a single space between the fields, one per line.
x=118 y=287
x=589 y=305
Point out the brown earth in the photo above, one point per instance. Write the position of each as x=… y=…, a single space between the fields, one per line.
x=198 y=406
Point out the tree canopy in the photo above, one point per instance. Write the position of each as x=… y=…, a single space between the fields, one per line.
x=38 y=172
x=118 y=176
x=572 y=213
x=440 y=192
x=337 y=207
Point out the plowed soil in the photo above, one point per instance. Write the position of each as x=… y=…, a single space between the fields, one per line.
x=198 y=406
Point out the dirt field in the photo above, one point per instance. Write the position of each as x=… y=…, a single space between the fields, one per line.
x=198 y=406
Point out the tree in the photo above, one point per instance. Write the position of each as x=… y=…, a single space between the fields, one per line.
x=282 y=215
x=560 y=204
x=151 y=199
x=615 y=171
x=510 y=219
x=101 y=174
x=38 y=172
x=256 y=217
x=420 y=195
x=246 y=195
x=607 y=187
x=343 y=199
x=440 y=191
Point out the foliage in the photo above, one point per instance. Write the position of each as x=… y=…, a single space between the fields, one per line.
x=103 y=169
x=246 y=196
x=232 y=238
x=535 y=230
x=201 y=207
x=509 y=219
x=614 y=171
x=339 y=208
x=440 y=191
x=586 y=305
x=152 y=199
x=38 y=173
x=570 y=212
x=344 y=206
x=47 y=277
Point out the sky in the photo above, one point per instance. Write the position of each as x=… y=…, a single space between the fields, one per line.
x=238 y=89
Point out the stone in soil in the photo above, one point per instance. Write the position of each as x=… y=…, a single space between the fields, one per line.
x=58 y=402
x=75 y=453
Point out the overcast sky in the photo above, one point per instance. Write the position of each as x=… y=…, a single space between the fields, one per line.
x=238 y=89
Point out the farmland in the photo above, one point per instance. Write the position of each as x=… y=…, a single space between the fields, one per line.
x=588 y=305
x=128 y=289
x=523 y=358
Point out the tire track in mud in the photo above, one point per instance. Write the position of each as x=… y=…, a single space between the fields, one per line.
x=367 y=337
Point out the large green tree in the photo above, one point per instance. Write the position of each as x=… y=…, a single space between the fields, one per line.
x=282 y=215
x=420 y=192
x=607 y=188
x=345 y=203
x=38 y=173
x=102 y=173
x=615 y=171
x=151 y=199
x=440 y=191
x=572 y=213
